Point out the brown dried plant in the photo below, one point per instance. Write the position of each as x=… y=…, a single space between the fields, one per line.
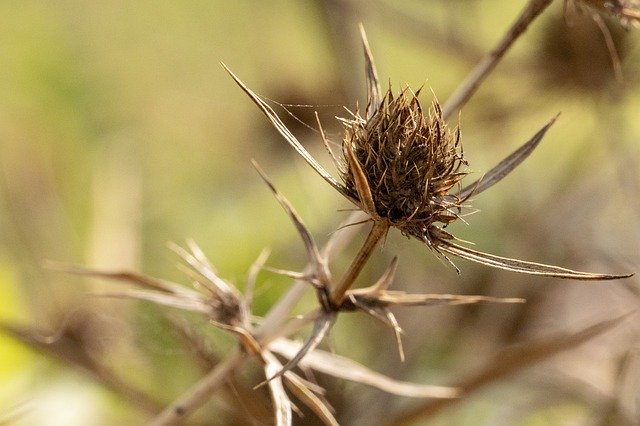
x=399 y=168
x=402 y=166
x=403 y=170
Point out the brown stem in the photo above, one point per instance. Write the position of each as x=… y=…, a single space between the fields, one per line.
x=180 y=409
x=378 y=231
x=278 y=314
x=482 y=70
x=196 y=396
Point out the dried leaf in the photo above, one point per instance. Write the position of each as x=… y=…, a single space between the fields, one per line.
x=296 y=385
x=397 y=331
x=377 y=296
x=125 y=276
x=319 y=265
x=507 y=165
x=186 y=303
x=347 y=369
x=520 y=266
x=281 y=403
x=203 y=273
x=360 y=180
x=289 y=137
x=400 y=298
x=321 y=327
x=374 y=96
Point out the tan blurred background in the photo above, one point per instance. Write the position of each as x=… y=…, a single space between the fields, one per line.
x=119 y=131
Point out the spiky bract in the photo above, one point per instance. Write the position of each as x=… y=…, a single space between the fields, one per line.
x=410 y=161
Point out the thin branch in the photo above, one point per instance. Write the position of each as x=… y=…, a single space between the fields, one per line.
x=509 y=361
x=484 y=68
x=285 y=305
x=71 y=351
x=183 y=407
x=200 y=393
x=378 y=231
x=374 y=97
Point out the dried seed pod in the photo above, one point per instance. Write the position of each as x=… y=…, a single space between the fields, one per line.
x=400 y=166
x=408 y=161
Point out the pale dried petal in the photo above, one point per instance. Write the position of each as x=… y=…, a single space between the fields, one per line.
x=345 y=368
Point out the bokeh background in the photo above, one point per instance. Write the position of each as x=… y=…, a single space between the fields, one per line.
x=120 y=131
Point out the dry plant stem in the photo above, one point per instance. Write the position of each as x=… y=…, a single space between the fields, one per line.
x=66 y=349
x=195 y=397
x=278 y=314
x=183 y=407
x=482 y=70
x=378 y=231
x=509 y=361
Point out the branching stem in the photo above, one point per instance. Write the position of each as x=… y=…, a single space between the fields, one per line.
x=533 y=9
x=196 y=396
x=183 y=407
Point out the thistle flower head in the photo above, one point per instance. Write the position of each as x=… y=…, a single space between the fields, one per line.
x=400 y=166
x=409 y=162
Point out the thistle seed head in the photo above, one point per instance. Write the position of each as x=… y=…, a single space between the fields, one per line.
x=410 y=162
x=400 y=168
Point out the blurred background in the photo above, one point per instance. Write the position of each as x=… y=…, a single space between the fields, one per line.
x=120 y=131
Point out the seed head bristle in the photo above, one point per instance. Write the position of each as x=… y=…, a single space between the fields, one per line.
x=410 y=161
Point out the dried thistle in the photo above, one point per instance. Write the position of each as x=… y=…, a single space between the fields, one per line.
x=400 y=168
x=407 y=161
x=404 y=169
